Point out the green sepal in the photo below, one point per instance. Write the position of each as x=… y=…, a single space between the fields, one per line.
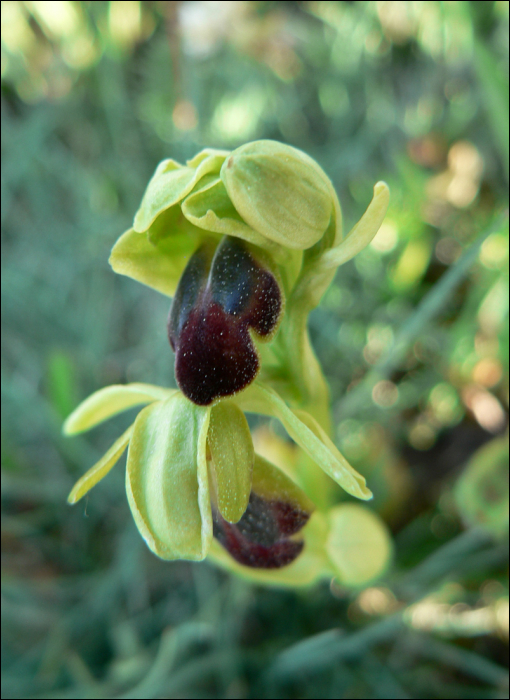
x=107 y=402
x=280 y=192
x=167 y=481
x=171 y=183
x=258 y=398
x=158 y=266
x=358 y=544
x=101 y=468
x=232 y=455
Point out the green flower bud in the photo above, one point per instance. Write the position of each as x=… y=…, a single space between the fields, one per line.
x=280 y=192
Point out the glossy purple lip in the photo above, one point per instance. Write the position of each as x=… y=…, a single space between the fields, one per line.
x=222 y=293
x=260 y=539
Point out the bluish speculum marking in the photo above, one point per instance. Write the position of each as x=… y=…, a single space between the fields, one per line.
x=261 y=538
x=222 y=293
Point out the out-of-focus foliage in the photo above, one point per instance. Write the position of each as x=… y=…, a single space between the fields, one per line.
x=413 y=335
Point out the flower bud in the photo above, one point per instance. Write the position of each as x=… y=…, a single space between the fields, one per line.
x=280 y=192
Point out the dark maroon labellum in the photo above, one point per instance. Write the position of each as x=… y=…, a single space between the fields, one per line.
x=261 y=538
x=222 y=293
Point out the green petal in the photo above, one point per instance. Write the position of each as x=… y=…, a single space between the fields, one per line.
x=167 y=481
x=358 y=544
x=232 y=455
x=211 y=209
x=206 y=153
x=172 y=233
x=363 y=232
x=159 y=267
x=107 y=402
x=311 y=438
x=280 y=192
x=309 y=566
x=101 y=468
x=170 y=184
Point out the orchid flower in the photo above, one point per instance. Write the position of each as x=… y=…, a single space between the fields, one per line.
x=246 y=243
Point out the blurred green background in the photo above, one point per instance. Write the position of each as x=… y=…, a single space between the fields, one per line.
x=413 y=337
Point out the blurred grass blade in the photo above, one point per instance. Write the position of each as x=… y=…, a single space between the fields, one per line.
x=495 y=90
x=430 y=306
x=322 y=650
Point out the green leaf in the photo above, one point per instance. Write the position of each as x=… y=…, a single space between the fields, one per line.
x=418 y=322
x=358 y=544
x=61 y=381
x=232 y=455
x=101 y=468
x=261 y=399
x=170 y=184
x=280 y=192
x=211 y=209
x=107 y=402
x=158 y=266
x=167 y=481
x=363 y=232
x=481 y=493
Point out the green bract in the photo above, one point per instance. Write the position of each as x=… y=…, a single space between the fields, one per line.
x=247 y=242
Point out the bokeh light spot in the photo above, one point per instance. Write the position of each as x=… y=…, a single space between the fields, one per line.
x=184 y=116
x=385 y=394
x=386 y=238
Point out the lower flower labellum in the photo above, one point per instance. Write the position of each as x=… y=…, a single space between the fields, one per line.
x=222 y=294
x=261 y=539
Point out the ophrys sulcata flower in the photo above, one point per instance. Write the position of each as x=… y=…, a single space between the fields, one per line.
x=246 y=243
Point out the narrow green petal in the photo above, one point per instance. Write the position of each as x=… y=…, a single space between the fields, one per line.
x=166 y=478
x=232 y=455
x=101 y=468
x=107 y=402
x=363 y=232
x=358 y=544
x=311 y=438
x=211 y=209
x=170 y=184
x=159 y=267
